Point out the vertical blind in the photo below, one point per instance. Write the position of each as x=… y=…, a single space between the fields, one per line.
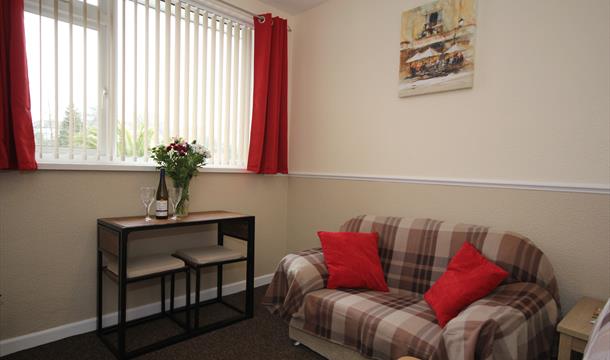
x=112 y=78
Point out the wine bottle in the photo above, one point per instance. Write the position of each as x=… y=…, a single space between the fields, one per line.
x=162 y=196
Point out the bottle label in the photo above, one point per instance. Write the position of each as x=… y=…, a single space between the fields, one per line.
x=161 y=209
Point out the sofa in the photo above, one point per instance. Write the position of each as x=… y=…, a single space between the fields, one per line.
x=516 y=321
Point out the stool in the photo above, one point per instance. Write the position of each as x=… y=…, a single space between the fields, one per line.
x=148 y=267
x=198 y=258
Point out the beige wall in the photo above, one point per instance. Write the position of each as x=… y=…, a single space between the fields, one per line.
x=538 y=113
x=48 y=237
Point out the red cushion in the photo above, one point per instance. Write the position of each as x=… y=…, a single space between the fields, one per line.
x=352 y=260
x=469 y=277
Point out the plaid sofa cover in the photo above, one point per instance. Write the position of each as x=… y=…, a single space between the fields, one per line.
x=516 y=321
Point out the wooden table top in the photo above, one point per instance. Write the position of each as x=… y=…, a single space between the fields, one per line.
x=577 y=323
x=192 y=218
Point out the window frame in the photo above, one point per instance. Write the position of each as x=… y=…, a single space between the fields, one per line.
x=104 y=43
x=107 y=31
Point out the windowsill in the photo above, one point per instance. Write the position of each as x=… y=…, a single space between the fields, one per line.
x=128 y=167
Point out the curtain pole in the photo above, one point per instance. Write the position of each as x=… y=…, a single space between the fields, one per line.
x=259 y=17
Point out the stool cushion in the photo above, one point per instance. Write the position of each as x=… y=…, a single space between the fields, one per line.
x=146 y=265
x=208 y=254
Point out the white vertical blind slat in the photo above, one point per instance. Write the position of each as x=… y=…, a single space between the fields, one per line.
x=56 y=83
x=218 y=119
x=41 y=144
x=176 y=119
x=212 y=86
x=84 y=129
x=242 y=93
x=108 y=91
x=250 y=79
x=146 y=70
x=227 y=96
x=195 y=90
x=204 y=72
x=98 y=22
x=134 y=140
x=233 y=120
x=123 y=137
x=71 y=71
x=166 y=86
x=110 y=95
x=247 y=98
x=157 y=55
x=187 y=48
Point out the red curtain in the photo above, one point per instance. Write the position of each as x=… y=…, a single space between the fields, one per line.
x=17 y=147
x=269 y=133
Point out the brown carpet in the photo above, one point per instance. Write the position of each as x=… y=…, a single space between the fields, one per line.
x=263 y=337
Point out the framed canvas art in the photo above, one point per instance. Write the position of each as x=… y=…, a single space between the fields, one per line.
x=437 y=47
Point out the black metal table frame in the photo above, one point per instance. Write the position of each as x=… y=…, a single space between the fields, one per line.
x=233 y=227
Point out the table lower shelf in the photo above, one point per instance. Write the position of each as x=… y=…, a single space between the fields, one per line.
x=160 y=330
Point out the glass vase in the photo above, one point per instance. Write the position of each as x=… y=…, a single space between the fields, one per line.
x=182 y=209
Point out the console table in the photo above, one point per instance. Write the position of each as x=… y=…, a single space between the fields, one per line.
x=112 y=237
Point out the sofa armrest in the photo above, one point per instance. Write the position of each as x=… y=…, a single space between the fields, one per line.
x=296 y=275
x=516 y=321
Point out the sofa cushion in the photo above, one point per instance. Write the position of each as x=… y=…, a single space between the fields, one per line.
x=468 y=278
x=378 y=325
x=352 y=260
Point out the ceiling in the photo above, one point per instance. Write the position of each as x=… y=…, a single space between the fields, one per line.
x=293 y=7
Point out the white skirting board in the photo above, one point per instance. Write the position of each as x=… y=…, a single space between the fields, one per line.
x=28 y=341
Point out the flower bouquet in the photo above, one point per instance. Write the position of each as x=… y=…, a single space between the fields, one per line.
x=181 y=161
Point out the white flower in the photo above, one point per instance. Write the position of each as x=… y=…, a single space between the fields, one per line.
x=200 y=149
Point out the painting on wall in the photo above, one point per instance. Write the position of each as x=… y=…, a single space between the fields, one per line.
x=437 y=47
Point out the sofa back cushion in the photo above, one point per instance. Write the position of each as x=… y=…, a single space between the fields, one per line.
x=414 y=253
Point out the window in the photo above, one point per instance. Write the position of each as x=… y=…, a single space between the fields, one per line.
x=143 y=72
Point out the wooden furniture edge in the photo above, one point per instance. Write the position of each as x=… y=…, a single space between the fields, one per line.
x=581 y=312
